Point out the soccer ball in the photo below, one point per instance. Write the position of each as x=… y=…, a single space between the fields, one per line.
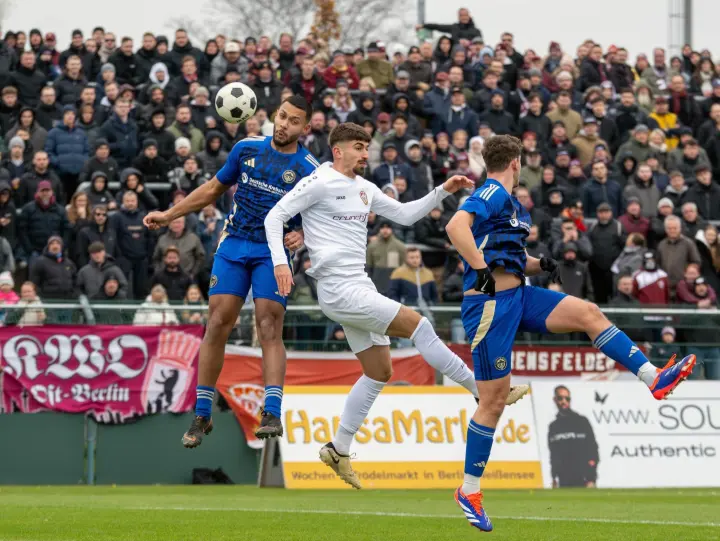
x=235 y=102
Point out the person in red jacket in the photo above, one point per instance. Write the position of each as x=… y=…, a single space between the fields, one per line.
x=339 y=69
x=633 y=220
x=650 y=283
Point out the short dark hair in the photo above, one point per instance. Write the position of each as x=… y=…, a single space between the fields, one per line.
x=626 y=90
x=534 y=96
x=412 y=249
x=559 y=387
x=296 y=100
x=500 y=151
x=347 y=131
x=96 y=247
x=125 y=40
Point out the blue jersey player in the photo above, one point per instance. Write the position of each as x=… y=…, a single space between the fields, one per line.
x=263 y=169
x=489 y=232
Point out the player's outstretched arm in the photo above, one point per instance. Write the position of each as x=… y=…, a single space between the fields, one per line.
x=198 y=199
x=409 y=213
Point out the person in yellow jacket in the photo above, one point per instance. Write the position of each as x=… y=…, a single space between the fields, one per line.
x=666 y=120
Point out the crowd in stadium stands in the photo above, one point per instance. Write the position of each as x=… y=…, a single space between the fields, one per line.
x=621 y=160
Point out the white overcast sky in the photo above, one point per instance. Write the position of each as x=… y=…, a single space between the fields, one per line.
x=639 y=25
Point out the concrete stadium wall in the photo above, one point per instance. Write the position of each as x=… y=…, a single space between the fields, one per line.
x=50 y=449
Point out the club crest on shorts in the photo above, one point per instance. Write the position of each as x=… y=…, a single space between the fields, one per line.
x=363 y=197
x=213 y=281
x=289 y=176
x=501 y=363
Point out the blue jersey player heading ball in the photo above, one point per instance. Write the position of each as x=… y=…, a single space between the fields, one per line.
x=263 y=169
x=489 y=232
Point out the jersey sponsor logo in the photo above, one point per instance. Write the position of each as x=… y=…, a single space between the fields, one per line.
x=265 y=187
x=364 y=197
x=213 y=281
x=339 y=197
x=351 y=218
x=244 y=178
x=289 y=176
x=250 y=162
x=487 y=192
x=501 y=363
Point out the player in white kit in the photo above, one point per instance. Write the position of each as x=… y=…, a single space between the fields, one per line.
x=334 y=203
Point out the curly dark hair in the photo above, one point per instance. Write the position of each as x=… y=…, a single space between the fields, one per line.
x=499 y=151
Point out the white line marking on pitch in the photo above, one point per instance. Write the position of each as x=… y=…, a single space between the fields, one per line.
x=424 y=515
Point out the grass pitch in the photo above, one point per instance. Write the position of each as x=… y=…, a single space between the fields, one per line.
x=174 y=513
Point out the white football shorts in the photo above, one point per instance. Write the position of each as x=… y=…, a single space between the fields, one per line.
x=356 y=304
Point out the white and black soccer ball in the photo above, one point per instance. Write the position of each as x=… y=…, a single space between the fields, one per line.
x=235 y=102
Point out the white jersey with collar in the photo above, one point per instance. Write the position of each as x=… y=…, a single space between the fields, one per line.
x=334 y=210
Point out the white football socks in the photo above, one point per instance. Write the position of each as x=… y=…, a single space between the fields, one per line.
x=471 y=484
x=439 y=356
x=647 y=373
x=357 y=406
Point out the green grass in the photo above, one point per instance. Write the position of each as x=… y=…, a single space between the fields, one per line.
x=175 y=513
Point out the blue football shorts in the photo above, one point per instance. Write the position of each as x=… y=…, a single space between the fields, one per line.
x=492 y=322
x=241 y=264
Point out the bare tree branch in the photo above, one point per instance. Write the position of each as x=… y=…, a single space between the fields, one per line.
x=361 y=20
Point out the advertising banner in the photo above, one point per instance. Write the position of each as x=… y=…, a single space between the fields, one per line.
x=241 y=380
x=539 y=360
x=616 y=435
x=113 y=372
x=414 y=437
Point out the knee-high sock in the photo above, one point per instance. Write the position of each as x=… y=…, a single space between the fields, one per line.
x=477 y=454
x=357 y=406
x=617 y=345
x=439 y=356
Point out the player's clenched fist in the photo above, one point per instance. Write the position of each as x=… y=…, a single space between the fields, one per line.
x=283 y=277
x=458 y=182
x=155 y=220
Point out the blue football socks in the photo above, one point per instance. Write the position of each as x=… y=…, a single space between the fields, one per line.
x=203 y=405
x=477 y=454
x=273 y=399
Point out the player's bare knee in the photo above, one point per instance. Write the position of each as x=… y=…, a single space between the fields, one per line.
x=380 y=372
x=267 y=329
x=492 y=404
x=593 y=316
x=219 y=324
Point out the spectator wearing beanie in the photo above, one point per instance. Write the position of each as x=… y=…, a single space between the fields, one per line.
x=68 y=149
x=135 y=244
x=97 y=231
x=101 y=162
x=157 y=131
x=214 y=156
x=110 y=293
x=188 y=245
x=39 y=220
x=152 y=167
x=7 y=295
x=92 y=276
x=204 y=115
x=633 y=221
x=132 y=180
x=14 y=161
x=375 y=66
x=55 y=275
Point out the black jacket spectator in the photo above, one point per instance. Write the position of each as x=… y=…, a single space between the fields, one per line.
x=8 y=61
x=127 y=69
x=96 y=232
x=175 y=282
x=268 y=94
x=214 y=155
x=107 y=166
x=122 y=138
x=92 y=276
x=29 y=82
x=69 y=89
x=457 y=30
x=132 y=180
x=573 y=450
x=54 y=275
x=29 y=183
x=38 y=222
x=135 y=241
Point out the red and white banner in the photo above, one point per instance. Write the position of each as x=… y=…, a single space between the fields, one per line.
x=539 y=360
x=114 y=372
x=241 y=381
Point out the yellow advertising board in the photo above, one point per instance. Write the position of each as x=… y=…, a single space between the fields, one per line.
x=414 y=437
